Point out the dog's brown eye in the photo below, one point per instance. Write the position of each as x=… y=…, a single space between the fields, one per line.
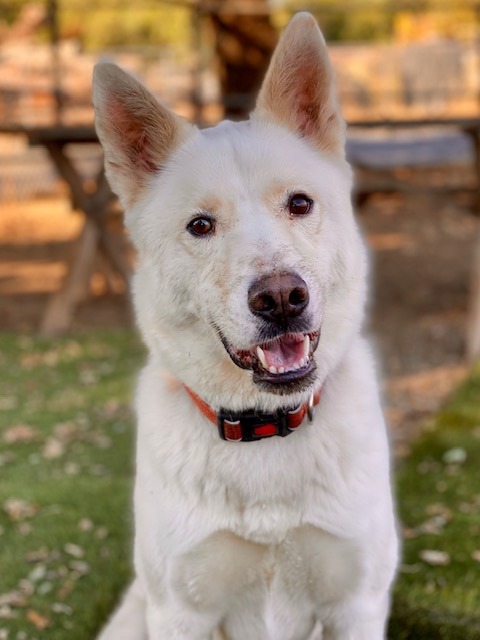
x=299 y=204
x=201 y=226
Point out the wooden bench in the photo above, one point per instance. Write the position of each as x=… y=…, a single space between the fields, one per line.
x=95 y=237
x=468 y=126
x=471 y=127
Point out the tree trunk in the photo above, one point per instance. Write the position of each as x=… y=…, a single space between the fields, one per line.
x=244 y=42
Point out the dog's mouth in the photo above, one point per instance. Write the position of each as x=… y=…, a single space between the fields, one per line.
x=286 y=360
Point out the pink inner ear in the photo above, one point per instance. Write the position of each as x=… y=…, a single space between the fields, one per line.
x=308 y=111
x=132 y=136
x=310 y=93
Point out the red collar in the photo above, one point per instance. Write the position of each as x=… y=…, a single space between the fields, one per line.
x=248 y=426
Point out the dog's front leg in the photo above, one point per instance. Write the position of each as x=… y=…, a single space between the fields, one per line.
x=366 y=620
x=175 y=621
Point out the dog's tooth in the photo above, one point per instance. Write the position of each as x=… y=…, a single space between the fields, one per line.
x=261 y=357
x=306 y=346
x=273 y=369
x=281 y=370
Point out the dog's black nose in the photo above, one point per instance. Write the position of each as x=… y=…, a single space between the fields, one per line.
x=278 y=298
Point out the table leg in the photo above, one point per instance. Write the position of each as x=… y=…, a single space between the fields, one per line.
x=61 y=307
x=95 y=236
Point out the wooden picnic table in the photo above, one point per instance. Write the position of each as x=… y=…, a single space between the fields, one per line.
x=471 y=127
x=94 y=203
x=95 y=237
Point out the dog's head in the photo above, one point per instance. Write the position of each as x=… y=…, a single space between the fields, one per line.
x=250 y=278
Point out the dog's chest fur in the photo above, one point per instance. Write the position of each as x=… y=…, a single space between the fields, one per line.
x=269 y=584
x=260 y=533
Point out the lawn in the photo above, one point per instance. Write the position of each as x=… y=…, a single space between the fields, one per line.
x=66 y=459
x=438 y=593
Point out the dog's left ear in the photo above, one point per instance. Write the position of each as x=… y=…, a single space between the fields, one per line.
x=299 y=91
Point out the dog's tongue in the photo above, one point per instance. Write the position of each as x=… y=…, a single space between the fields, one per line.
x=288 y=352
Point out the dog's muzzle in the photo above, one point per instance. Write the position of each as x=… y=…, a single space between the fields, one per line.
x=282 y=362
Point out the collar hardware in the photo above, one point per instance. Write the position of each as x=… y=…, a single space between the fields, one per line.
x=311 y=407
x=249 y=426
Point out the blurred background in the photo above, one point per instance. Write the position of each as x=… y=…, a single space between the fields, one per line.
x=409 y=83
x=408 y=74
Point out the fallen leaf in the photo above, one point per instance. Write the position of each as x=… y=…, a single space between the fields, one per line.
x=60 y=607
x=6 y=612
x=6 y=458
x=38 y=573
x=38 y=621
x=20 y=433
x=101 y=533
x=434 y=526
x=435 y=558
x=53 y=449
x=88 y=377
x=439 y=510
x=456 y=455
x=24 y=528
x=81 y=567
x=30 y=360
x=44 y=588
x=65 y=589
x=73 y=550
x=102 y=441
x=37 y=556
x=66 y=431
x=467 y=507
x=410 y=568
x=8 y=402
x=13 y=599
x=72 y=469
x=85 y=524
x=17 y=509
x=476 y=555
x=26 y=587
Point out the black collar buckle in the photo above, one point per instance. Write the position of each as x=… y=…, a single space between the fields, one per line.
x=250 y=426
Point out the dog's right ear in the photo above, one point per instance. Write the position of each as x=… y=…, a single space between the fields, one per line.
x=137 y=132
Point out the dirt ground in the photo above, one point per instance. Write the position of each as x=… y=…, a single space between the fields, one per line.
x=421 y=256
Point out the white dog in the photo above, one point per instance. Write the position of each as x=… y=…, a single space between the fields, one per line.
x=250 y=293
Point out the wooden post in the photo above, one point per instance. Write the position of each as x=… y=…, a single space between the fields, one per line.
x=245 y=39
x=52 y=13
x=473 y=323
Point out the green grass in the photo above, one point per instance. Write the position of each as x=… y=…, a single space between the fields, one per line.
x=439 y=505
x=74 y=474
x=73 y=471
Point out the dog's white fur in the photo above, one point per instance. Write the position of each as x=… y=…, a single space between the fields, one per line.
x=286 y=538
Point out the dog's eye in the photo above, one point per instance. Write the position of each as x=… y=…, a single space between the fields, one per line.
x=299 y=204
x=201 y=226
